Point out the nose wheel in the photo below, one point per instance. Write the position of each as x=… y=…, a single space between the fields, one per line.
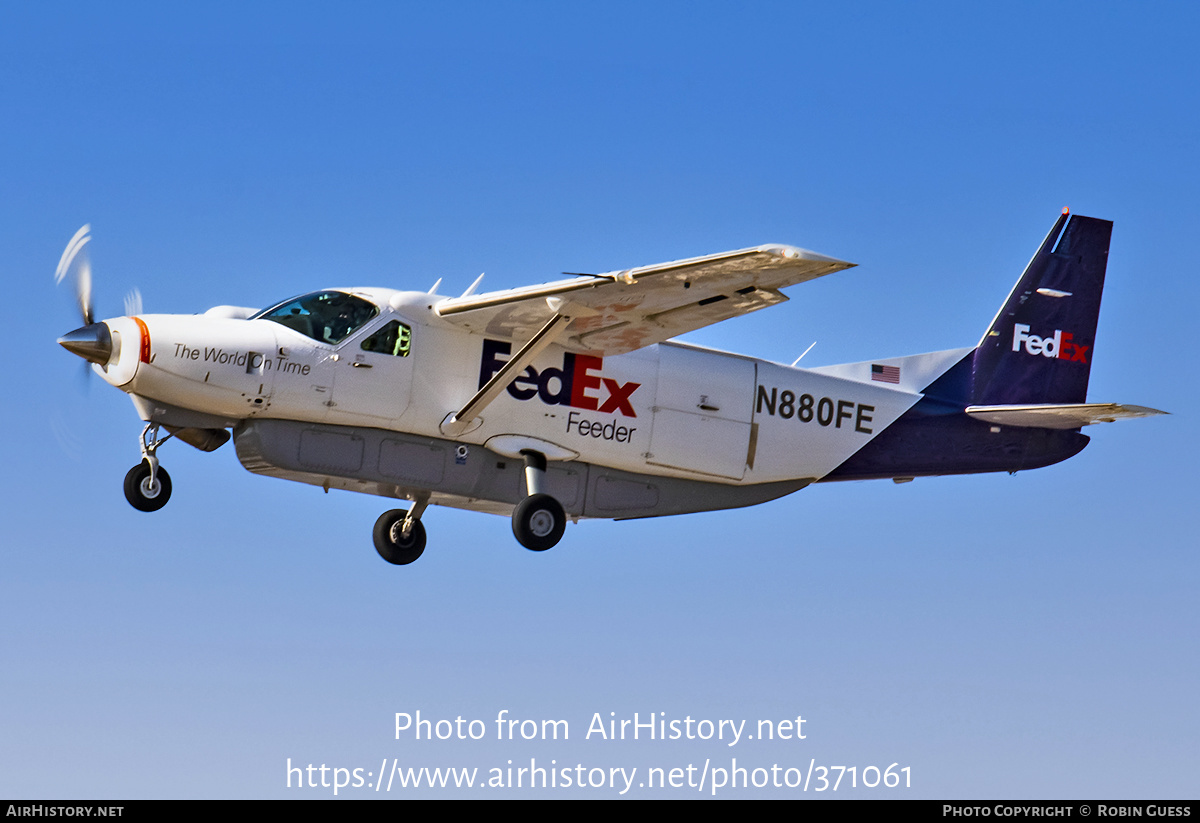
x=144 y=492
x=147 y=485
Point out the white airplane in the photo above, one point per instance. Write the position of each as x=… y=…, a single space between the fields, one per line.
x=569 y=400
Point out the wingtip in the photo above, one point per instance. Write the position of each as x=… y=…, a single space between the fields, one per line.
x=797 y=253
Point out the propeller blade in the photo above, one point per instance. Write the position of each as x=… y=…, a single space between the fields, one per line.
x=76 y=250
x=77 y=242
x=133 y=303
x=83 y=291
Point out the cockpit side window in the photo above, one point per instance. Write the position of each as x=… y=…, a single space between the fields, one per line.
x=325 y=316
x=395 y=339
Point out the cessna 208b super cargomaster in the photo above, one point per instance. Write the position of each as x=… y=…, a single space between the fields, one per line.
x=568 y=400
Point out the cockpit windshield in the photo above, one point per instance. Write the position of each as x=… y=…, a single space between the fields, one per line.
x=325 y=316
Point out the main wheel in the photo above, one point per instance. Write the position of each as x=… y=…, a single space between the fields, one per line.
x=140 y=494
x=538 y=522
x=392 y=545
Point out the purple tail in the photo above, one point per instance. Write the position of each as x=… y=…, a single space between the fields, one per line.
x=1039 y=348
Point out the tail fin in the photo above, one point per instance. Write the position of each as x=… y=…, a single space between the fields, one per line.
x=1039 y=347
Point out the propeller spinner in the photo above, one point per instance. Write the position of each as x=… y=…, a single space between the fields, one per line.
x=91 y=342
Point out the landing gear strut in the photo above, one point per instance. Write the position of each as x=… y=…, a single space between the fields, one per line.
x=147 y=485
x=538 y=521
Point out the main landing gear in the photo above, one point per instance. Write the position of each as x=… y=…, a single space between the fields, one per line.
x=538 y=521
x=399 y=535
x=147 y=485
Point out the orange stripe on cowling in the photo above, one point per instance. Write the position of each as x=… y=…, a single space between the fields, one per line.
x=145 y=335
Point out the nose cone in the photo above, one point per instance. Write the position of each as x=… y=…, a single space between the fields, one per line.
x=92 y=342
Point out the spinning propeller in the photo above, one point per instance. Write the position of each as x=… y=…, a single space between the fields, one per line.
x=92 y=341
x=75 y=260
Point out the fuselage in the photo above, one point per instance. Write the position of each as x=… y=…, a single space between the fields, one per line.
x=670 y=409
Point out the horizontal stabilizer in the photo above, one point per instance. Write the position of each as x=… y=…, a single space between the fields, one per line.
x=1058 y=416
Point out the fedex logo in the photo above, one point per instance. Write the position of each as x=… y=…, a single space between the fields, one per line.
x=576 y=385
x=1059 y=346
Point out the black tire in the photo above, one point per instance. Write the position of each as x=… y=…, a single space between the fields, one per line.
x=538 y=522
x=138 y=491
x=391 y=545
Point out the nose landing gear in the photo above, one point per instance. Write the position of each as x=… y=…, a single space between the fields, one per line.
x=147 y=490
x=147 y=485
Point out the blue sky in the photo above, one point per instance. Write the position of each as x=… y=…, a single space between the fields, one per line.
x=1027 y=636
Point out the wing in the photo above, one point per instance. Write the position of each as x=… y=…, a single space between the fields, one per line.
x=621 y=311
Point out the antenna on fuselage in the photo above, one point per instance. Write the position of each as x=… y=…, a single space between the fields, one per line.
x=801 y=357
x=433 y=289
x=471 y=288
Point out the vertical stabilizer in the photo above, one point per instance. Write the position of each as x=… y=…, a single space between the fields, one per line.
x=1039 y=348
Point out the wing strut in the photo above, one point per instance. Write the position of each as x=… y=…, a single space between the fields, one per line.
x=458 y=422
